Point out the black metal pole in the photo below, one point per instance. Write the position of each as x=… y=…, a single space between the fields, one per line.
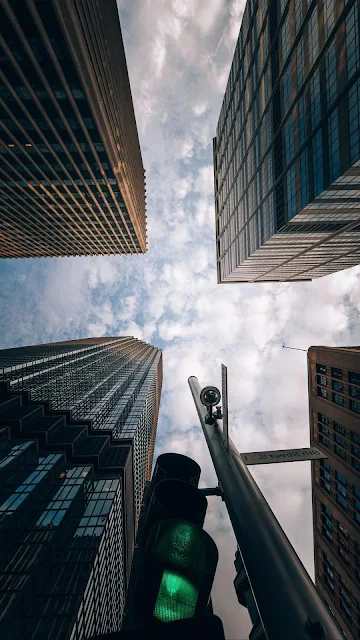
x=287 y=601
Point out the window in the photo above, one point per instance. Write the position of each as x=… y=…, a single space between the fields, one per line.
x=302 y=122
x=354 y=377
x=304 y=179
x=323 y=429
x=325 y=485
x=343 y=554
x=342 y=502
x=355 y=463
x=354 y=123
x=291 y=192
x=337 y=386
x=355 y=406
x=355 y=450
x=343 y=530
x=341 y=489
x=334 y=148
x=300 y=63
x=338 y=399
x=315 y=104
x=289 y=139
x=322 y=380
x=336 y=373
x=340 y=452
x=327 y=522
x=325 y=464
x=331 y=77
x=355 y=392
x=322 y=392
x=325 y=474
x=317 y=163
x=339 y=427
x=355 y=437
x=352 y=41
x=341 y=478
x=313 y=37
x=323 y=418
x=329 y=15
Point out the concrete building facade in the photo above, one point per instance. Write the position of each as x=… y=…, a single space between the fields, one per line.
x=334 y=402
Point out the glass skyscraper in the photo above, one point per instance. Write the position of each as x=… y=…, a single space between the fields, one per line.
x=287 y=147
x=334 y=394
x=71 y=172
x=77 y=432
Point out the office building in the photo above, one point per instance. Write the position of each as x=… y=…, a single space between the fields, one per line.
x=287 y=146
x=71 y=173
x=77 y=430
x=113 y=382
x=334 y=393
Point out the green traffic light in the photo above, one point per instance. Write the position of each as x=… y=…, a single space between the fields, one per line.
x=177 y=598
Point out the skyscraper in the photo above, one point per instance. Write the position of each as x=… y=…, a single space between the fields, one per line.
x=334 y=394
x=71 y=174
x=77 y=431
x=287 y=147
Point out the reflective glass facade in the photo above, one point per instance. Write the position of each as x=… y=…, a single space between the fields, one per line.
x=286 y=191
x=71 y=172
x=71 y=481
x=113 y=382
x=334 y=383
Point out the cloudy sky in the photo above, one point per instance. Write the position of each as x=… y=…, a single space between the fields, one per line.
x=179 y=54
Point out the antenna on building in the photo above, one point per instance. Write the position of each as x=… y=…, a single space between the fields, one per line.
x=294 y=348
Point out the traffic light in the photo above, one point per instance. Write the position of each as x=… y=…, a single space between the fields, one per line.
x=175 y=559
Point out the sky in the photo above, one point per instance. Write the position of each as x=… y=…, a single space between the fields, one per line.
x=179 y=54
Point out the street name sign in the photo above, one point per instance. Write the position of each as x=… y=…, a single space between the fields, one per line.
x=282 y=455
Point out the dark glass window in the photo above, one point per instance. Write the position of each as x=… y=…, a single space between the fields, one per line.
x=340 y=500
x=354 y=377
x=334 y=146
x=340 y=452
x=336 y=373
x=325 y=464
x=317 y=163
x=323 y=429
x=323 y=418
x=338 y=427
x=338 y=399
x=355 y=450
x=322 y=392
x=355 y=392
x=321 y=368
x=323 y=440
x=341 y=478
x=355 y=406
x=355 y=437
x=337 y=386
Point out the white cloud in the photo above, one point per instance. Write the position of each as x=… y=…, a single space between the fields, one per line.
x=200 y=108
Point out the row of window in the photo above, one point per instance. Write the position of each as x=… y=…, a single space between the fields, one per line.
x=347 y=495
x=335 y=372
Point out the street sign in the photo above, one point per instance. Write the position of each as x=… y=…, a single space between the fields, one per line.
x=225 y=405
x=282 y=455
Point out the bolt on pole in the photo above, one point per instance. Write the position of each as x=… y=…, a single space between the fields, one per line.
x=285 y=596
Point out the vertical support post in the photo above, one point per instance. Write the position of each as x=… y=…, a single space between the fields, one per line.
x=286 y=599
x=225 y=410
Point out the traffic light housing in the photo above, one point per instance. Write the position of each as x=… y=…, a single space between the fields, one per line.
x=175 y=559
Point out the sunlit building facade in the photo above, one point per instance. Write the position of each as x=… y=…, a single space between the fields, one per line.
x=287 y=146
x=334 y=396
x=71 y=172
x=77 y=431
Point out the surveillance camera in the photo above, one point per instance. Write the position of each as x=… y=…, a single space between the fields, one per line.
x=210 y=396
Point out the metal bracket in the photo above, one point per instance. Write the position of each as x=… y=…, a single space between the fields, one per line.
x=213 y=491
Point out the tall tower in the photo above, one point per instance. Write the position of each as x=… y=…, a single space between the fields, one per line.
x=71 y=174
x=287 y=146
x=334 y=394
x=77 y=431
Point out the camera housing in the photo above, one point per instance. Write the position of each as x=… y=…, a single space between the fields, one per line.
x=210 y=396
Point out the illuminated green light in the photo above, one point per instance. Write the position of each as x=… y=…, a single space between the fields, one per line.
x=176 y=599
